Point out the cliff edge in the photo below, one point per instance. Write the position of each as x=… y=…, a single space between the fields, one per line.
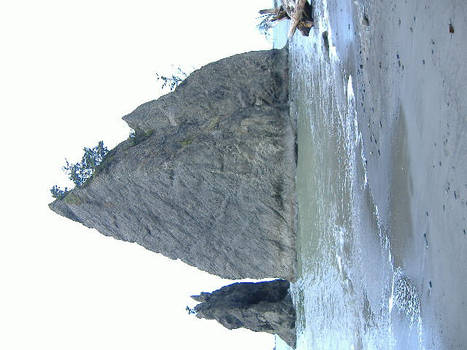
x=209 y=177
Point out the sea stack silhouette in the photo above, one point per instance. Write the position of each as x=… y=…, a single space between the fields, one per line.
x=209 y=176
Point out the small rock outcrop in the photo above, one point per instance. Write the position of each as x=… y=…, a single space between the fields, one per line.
x=209 y=177
x=260 y=307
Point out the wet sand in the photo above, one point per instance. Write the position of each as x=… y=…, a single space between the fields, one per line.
x=408 y=63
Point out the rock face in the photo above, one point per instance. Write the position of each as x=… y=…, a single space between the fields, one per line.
x=209 y=177
x=261 y=307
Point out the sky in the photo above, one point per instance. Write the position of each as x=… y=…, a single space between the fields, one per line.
x=69 y=70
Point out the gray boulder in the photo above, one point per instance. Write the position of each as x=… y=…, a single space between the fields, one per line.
x=260 y=307
x=209 y=177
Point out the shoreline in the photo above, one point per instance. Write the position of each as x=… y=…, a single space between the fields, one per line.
x=409 y=80
x=414 y=127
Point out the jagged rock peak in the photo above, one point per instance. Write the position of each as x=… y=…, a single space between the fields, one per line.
x=260 y=307
x=209 y=177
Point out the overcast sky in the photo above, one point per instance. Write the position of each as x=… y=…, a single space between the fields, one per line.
x=69 y=70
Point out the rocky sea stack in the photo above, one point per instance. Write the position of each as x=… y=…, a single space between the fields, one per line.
x=260 y=307
x=209 y=176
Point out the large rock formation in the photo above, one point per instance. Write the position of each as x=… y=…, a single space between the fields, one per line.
x=209 y=176
x=261 y=307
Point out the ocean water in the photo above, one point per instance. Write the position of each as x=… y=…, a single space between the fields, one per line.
x=348 y=295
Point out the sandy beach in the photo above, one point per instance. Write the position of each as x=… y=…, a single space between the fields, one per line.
x=405 y=63
x=413 y=116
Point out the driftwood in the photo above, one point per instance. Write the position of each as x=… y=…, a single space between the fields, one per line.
x=298 y=11
x=297 y=16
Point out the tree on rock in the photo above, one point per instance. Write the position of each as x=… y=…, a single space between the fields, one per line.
x=80 y=172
